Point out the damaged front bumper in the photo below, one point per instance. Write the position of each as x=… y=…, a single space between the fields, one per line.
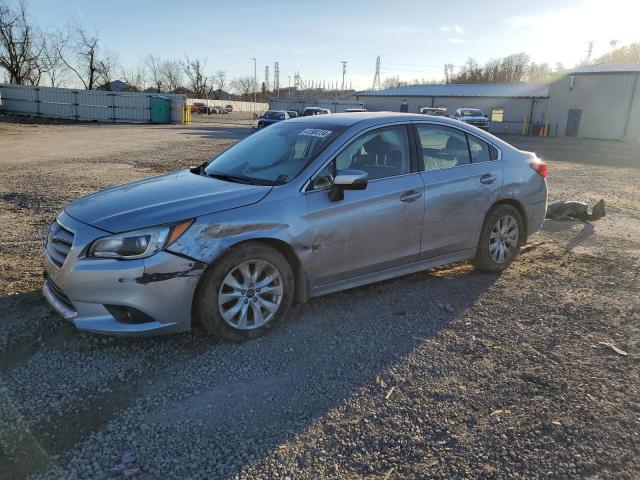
x=148 y=296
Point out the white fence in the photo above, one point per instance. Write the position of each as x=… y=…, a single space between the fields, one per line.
x=299 y=104
x=237 y=106
x=84 y=105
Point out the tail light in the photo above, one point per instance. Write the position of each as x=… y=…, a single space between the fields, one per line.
x=540 y=167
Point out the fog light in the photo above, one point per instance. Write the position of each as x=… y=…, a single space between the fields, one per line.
x=128 y=314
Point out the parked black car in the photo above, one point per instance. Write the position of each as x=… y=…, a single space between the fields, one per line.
x=272 y=116
x=292 y=113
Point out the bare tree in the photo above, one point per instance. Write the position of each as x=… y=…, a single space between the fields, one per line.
x=135 y=78
x=539 y=72
x=153 y=66
x=448 y=72
x=511 y=69
x=20 y=46
x=52 y=56
x=85 y=47
x=243 y=86
x=106 y=66
x=219 y=81
x=393 y=82
x=198 y=81
x=171 y=74
x=625 y=54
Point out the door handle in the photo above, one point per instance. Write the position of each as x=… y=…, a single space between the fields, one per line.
x=410 y=196
x=487 y=178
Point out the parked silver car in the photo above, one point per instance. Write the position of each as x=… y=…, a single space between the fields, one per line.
x=304 y=208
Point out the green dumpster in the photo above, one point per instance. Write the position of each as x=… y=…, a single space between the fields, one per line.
x=160 y=110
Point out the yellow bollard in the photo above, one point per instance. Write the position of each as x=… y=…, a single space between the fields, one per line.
x=546 y=129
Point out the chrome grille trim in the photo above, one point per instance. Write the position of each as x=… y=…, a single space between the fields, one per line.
x=59 y=242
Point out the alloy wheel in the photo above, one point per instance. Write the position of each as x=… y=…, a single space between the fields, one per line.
x=250 y=294
x=503 y=239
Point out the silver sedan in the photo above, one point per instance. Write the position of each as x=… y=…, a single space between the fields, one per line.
x=301 y=209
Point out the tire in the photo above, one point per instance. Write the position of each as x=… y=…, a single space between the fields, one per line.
x=495 y=237
x=233 y=307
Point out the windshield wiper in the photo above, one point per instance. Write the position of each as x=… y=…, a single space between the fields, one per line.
x=228 y=178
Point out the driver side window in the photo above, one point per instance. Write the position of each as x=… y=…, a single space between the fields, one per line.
x=381 y=153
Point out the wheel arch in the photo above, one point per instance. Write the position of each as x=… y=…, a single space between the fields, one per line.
x=301 y=285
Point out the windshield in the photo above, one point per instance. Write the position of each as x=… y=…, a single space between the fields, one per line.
x=271 y=115
x=275 y=155
x=472 y=112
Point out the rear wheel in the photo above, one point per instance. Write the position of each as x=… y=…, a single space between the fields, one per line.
x=500 y=239
x=246 y=293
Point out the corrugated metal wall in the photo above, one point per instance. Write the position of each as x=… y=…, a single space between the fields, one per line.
x=83 y=105
x=517 y=111
x=633 y=127
x=604 y=98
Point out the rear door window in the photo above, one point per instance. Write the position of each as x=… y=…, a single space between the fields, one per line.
x=442 y=147
x=479 y=150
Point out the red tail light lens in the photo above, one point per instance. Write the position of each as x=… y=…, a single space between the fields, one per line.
x=540 y=167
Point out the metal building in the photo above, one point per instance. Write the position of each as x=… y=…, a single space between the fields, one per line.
x=511 y=107
x=597 y=101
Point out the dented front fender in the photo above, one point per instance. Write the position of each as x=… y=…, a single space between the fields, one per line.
x=278 y=219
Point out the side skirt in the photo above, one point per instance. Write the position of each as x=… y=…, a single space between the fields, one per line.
x=399 y=271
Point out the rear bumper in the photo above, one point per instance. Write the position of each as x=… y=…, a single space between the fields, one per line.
x=536 y=208
x=85 y=290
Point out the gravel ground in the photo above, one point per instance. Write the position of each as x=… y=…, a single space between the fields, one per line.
x=448 y=373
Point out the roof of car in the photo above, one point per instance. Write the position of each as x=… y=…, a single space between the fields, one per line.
x=349 y=119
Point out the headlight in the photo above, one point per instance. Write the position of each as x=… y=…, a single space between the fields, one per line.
x=138 y=243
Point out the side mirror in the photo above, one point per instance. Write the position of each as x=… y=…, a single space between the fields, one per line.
x=347 y=180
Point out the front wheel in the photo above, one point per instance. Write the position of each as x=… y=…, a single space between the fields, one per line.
x=500 y=239
x=246 y=293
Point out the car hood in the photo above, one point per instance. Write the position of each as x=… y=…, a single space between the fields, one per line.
x=157 y=200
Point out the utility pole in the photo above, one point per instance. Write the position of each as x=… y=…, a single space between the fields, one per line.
x=376 y=76
x=289 y=89
x=255 y=79
x=276 y=79
x=344 y=71
x=266 y=78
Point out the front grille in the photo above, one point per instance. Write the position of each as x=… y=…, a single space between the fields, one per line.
x=59 y=241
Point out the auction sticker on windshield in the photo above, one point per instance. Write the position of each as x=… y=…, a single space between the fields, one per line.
x=315 y=132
